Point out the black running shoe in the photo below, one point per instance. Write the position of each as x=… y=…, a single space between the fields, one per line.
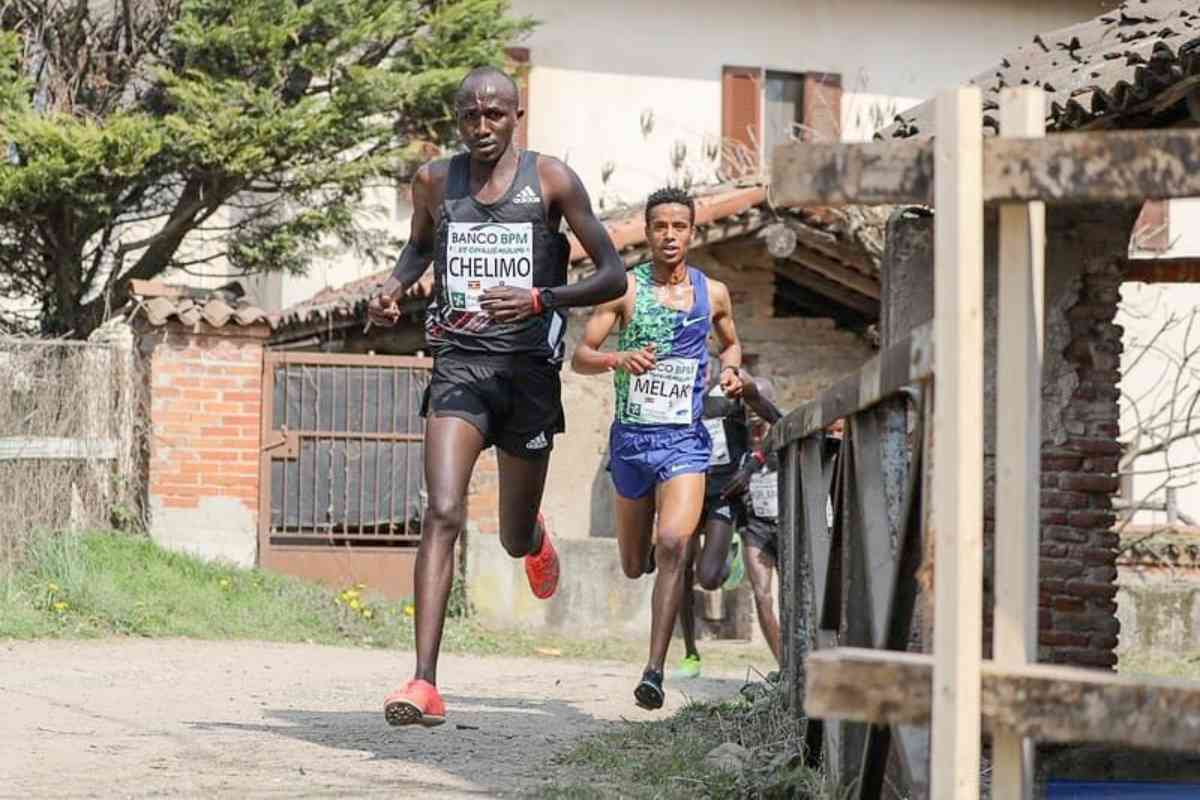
x=649 y=693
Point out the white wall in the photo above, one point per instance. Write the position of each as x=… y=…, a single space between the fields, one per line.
x=599 y=65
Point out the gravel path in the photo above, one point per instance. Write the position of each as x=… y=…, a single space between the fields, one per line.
x=134 y=718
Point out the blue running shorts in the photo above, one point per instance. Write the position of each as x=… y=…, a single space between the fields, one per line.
x=641 y=456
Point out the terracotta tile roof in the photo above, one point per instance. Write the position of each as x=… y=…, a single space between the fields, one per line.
x=160 y=303
x=722 y=212
x=1120 y=69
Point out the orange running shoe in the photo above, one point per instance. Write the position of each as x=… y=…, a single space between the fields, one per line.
x=542 y=567
x=417 y=703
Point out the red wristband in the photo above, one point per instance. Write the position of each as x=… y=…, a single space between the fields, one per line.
x=759 y=457
x=537 y=299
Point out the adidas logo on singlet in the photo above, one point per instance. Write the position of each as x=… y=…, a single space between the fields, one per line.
x=526 y=196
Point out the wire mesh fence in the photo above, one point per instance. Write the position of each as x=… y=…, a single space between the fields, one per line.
x=70 y=438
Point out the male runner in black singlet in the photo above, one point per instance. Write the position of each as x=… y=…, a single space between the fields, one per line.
x=489 y=222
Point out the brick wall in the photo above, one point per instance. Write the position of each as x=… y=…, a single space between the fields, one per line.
x=205 y=397
x=1079 y=547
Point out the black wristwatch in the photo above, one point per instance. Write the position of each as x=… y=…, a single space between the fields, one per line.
x=548 y=300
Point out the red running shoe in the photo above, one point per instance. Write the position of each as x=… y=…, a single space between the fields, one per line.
x=542 y=567
x=418 y=703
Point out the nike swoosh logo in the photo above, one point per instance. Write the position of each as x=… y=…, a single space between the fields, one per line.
x=693 y=320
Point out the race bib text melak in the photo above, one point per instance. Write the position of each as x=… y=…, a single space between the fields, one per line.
x=664 y=394
x=485 y=255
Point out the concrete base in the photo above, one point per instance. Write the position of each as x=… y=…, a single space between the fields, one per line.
x=594 y=599
x=217 y=528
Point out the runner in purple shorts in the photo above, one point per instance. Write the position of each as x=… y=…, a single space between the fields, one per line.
x=659 y=448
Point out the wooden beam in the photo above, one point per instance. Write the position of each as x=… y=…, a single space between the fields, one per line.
x=785 y=241
x=908 y=361
x=1162 y=270
x=1043 y=702
x=1114 y=166
x=1018 y=414
x=798 y=272
x=958 y=444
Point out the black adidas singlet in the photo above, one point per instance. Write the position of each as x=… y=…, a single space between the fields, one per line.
x=730 y=433
x=481 y=245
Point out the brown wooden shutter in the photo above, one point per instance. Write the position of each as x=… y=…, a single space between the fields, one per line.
x=741 y=121
x=518 y=58
x=822 y=107
x=1152 y=231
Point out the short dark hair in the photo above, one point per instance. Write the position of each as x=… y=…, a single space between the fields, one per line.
x=489 y=73
x=671 y=196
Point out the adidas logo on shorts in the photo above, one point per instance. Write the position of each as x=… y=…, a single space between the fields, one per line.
x=526 y=196
x=538 y=442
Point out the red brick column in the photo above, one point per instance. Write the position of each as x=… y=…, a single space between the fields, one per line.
x=205 y=392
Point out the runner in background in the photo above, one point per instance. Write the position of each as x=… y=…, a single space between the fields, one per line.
x=721 y=562
x=659 y=448
x=488 y=220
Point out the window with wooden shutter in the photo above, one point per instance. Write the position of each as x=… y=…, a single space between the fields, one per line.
x=822 y=107
x=741 y=121
x=1152 y=231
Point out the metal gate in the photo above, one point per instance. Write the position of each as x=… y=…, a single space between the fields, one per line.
x=342 y=482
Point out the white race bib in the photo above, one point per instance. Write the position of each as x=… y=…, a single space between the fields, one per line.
x=484 y=255
x=764 y=494
x=720 y=447
x=663 y=395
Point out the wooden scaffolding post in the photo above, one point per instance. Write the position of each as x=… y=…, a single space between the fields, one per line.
x=1018 y=419
x=958 y=445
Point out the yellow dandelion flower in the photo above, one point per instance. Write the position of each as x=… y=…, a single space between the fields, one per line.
x=368 y=613
x=60 y=606
x=350 y=594
x=354 y=603
x=52 y=586
x=409 y=610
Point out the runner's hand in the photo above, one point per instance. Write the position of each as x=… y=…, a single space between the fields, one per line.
x=383 y=310
x=637 y=362
x=507 y=303
x=731 y=382
x=737 y=485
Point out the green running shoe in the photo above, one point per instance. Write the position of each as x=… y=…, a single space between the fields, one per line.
x=737 y=567
x=689 y=667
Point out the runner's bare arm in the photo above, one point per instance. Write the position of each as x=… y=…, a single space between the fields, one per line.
x=731 y=349
x=608 y=282
x=414 y=258
x=564 y=191
x=588 y=358
x=758 y=402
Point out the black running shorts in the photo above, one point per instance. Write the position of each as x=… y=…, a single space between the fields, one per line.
x=762 y=534
x=514 y=401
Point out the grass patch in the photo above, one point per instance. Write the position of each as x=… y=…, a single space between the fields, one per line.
x=665 y=758
x=105 y=584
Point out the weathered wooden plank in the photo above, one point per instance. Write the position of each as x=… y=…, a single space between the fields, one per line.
x=1162 y=270
x=26 y=448
x=792 y=241
x=799 y=270
x=1043 y=702
x=1109 y=166
x=909 y=361
x=958 y=437
x=791 y=604
x=1018 y=414
x=815 y=537
x=878 y=173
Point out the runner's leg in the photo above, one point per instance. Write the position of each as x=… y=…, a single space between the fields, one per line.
x=452 y=446
x=759 y=565
x=522 y=481
x=687 y=604
x=635 y=532
x=681 y=500
x=713 y=567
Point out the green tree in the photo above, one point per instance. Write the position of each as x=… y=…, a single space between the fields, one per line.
x=148 y=135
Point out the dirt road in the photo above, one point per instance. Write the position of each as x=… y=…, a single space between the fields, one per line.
x=235 y=719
